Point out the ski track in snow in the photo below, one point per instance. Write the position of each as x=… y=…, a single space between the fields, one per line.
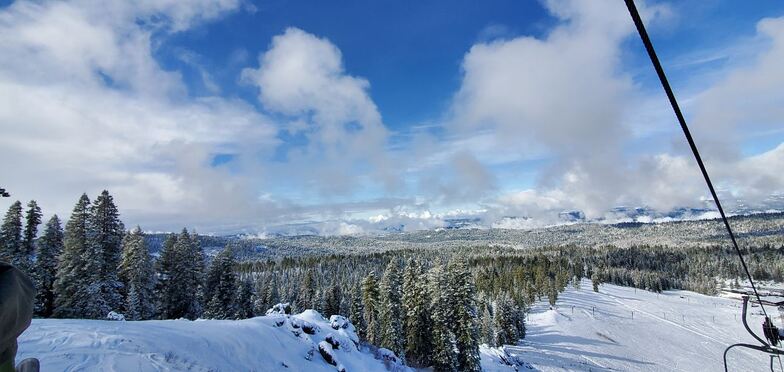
x=671 y=331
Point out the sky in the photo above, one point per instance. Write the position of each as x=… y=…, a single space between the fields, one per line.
x=231 y=116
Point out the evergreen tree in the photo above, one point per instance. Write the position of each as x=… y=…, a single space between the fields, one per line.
x=220 y=286
x=165 y=287
x=444 y=351
x=307 y=292
x=487 y=330
x=357 y=312
x=50 y=246
x=391 y=312
x=11 y=235
x=72 y=280
x=462 y=290
x=416 y=317
x=244 y=300
x=32 y=220
x=332 y=300
x=503 y=321
x=371 y=302
x=106 y=235
x=191 y=275
x=137 y=273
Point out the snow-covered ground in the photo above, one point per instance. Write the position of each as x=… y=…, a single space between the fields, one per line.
x=617 y=329
x=271 y=343
x=672 y=331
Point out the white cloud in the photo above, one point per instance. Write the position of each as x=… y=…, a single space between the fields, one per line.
x=302 y=76
x=94 y=110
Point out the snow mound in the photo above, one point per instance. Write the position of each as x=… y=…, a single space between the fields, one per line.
x=301 y=342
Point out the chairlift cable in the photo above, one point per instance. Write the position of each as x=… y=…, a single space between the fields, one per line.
x=676 y=108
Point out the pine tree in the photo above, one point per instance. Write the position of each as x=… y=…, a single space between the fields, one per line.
x=503 y=321
x=11 y=235
x=72 y=280
x=50 y=246
x=444 y=351
x=357 y=312
x=416 y=317
x=464 y=323
x=487 y=330
x=306 y=298
x=190 y=276
x=106 y=235
x=165 y=288
x=138 y=276
x=220 y=286
x=244 y=300
x=391 y=311
x=332 y=299
x=32 y=220
x=371 y=302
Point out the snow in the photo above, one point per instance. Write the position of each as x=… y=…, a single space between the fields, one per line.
x=618 y=328
x=671 y=331
x=268 y=343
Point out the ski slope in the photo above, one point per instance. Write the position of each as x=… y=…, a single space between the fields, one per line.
x=623 y=329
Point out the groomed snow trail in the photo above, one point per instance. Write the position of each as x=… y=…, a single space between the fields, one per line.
x=623 y=329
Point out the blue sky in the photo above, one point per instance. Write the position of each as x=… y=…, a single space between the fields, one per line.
x=241 y=116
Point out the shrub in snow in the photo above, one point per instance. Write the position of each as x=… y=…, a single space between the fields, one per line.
x=309 y=328
x=280 y=322
x=115 y=316
x=333 y=340
x=280 y=309
x=326 y=352
x=305 y=325
x=339 y=321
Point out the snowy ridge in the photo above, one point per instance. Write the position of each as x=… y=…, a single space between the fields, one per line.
x=270 y=343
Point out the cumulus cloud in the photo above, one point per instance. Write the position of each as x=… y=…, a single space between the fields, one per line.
x=302 y=76
x=95 y=110
x=565 y=92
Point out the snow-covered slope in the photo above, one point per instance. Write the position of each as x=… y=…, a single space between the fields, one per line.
x=672 y=331
x=271 y=343
x=617 y=329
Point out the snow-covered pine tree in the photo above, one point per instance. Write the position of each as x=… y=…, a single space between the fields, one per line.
x=192 y=275
x=464 y=325
x=50 y=246
x=416 y=317
x=165 y=288
x=272 y=295
x=138 y=276
x=220 y=286
x=371 y=303
x=357 y=311
x=32 y=220
x=107 y=232
x=72 y=279
x=486 y=324
x=243 y=307
x=11 y=234
x=332 y=299
x=443 y=355
x=390 y=314
x=306 y=298
x=503 y=321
